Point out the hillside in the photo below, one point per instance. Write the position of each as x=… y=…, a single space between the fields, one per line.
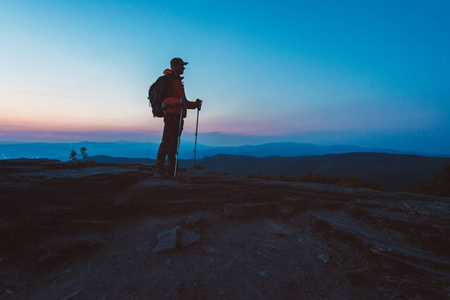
x=393 y=172
x=112 y=231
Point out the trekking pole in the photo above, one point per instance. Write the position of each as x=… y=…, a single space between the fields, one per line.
x=178 y=144
x=196 y=132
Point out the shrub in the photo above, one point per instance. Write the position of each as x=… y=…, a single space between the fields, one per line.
x=83 y=152
x=73 y=155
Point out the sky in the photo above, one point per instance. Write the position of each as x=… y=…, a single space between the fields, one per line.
x=368 y=73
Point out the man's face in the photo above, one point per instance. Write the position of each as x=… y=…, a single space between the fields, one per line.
x=178 y=68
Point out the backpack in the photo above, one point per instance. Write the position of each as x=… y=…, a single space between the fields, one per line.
x=157 y=92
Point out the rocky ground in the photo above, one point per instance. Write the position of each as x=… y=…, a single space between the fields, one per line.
x=112 y=231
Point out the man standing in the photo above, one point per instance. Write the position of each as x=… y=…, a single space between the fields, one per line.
x=174 y=105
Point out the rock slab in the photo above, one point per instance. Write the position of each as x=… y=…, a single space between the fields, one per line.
x=167 y=240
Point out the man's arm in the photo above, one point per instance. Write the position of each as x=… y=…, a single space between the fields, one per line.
x=172 y=101
x=191 y=104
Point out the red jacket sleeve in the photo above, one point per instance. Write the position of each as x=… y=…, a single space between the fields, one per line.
x=171 y=101
x=191 y=105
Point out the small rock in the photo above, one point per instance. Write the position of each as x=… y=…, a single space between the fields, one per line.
x=210 y=250
x=167 y=240
x=325 y=258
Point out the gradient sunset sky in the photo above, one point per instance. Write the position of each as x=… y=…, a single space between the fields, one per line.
x=369 y=73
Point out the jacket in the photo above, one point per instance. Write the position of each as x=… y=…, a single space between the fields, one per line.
x=172 y=101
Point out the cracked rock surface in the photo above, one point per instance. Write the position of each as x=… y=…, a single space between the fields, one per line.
x=112 y=231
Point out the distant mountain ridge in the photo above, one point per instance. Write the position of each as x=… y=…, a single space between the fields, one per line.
x=61 y=151
x=393 y=172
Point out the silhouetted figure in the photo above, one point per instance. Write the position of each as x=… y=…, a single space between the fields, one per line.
x=174 y=106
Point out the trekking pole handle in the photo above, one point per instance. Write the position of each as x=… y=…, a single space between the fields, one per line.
x=199 y=104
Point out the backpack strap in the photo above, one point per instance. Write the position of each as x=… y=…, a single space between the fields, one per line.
x=170 y=77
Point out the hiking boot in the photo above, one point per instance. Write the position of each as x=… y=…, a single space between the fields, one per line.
x=160 y=174
x=170 y=174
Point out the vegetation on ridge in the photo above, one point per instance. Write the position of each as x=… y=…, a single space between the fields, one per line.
x=438 y=185
x=353 y=181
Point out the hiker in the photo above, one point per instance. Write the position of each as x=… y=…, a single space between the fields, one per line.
x=174 y=106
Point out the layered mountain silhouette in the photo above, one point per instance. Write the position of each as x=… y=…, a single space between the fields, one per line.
x=61 y=151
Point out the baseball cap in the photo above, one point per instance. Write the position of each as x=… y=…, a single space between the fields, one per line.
x=177 y=61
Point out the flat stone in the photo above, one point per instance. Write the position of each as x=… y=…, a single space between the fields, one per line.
x=167 y=240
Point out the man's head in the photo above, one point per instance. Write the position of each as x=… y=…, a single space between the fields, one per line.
x=177 y=65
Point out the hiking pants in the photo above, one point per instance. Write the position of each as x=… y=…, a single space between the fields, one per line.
x=169 y=142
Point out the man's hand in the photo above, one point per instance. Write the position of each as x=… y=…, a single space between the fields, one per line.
x=199 y=104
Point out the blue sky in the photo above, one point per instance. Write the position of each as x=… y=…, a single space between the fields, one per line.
x=371 y=73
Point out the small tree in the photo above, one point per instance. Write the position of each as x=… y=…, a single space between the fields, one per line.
x=83 y=152
x=73 y=155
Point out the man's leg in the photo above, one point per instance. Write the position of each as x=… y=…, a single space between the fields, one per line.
x=166 y=144
x=161 y=158
x=173 y=143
